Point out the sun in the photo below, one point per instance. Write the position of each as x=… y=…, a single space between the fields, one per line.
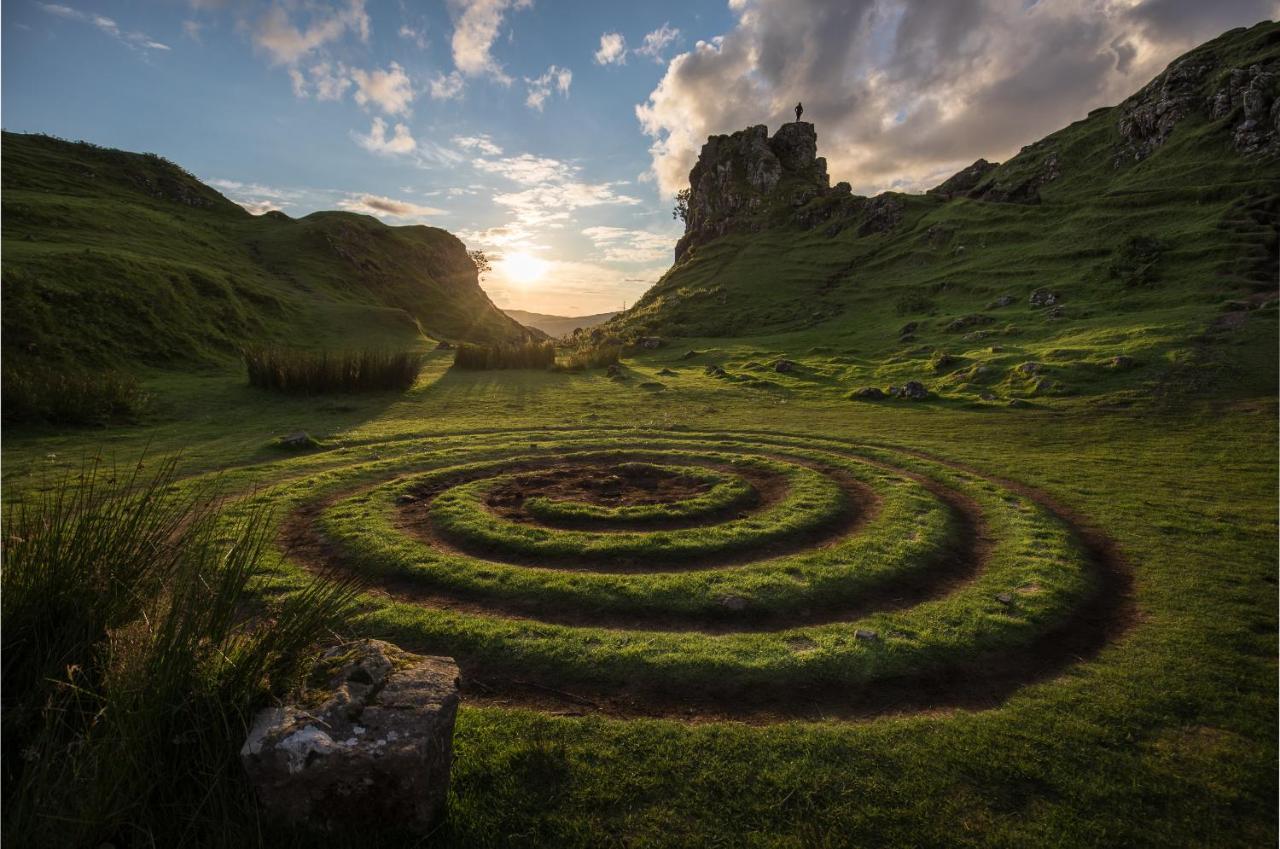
x=522 y=268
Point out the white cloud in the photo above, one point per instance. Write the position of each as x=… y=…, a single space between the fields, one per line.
x=657 y=41
x=389 y=90
x=259 y=207
x=192 y=30
x=445 y=86
x=613 y=49
x=540 y=89
x=904 y=89
x=527 y=168
x=401 y=142
x=476 y=26
x=277 y=35
x=134 y=40
x=385 y=207
x=327 y=81
x=481 y=144
x=622 y=245
x=417 y=36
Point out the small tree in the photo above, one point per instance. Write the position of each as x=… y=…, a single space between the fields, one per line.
x=681 y=210
x=481 y=262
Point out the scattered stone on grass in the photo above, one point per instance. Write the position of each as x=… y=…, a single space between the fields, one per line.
x=1042 y=298
x=371 y=745
x=299 y=440
x=912 y=389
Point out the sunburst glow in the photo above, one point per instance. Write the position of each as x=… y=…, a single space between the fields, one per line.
x=522 y=268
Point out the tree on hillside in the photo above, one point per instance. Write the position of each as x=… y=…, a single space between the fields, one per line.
x=481 y=262
x=681 y=210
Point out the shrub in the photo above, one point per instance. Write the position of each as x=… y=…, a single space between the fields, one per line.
x=524 y=355
x=597 y=357
x=318 y=372
x=72 y=396
x=134 y=656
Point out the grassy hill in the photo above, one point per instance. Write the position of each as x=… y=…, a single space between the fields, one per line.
x=558 y=325
x=113 y=257
x=1154 y=247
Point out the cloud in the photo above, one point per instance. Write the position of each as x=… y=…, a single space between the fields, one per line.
x=476 y=26
x=657 y=41
x=401 y=142
x=613 y=49
x=540 y=89
x=389 y=90
x=133 y=40
x=385 y=207
x=445 y=86
x=622 y=245
x=254 y=197
x=260 y=207
x=902 y=90
x=527 y=168
x=327 y=82
x=275 y=34
x=480 y=144
x=191 y=29
x=417 y=36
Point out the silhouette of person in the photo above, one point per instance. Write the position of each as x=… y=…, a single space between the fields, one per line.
x=799 y=111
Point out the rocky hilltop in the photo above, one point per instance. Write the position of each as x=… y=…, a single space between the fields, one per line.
x=749 y=181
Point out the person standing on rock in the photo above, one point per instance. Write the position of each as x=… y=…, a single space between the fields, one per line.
x=799 y=111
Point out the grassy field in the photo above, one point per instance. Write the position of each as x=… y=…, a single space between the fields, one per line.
x=633 y=706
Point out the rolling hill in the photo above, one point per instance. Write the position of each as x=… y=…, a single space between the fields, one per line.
x=115 y=257
x=1143 y=236
x=558 y=325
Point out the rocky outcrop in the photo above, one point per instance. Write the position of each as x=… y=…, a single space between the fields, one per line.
x=1247 y=97
x=371 y=745
x=964 y=181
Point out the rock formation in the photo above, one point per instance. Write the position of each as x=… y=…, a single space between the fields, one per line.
x=372 y=745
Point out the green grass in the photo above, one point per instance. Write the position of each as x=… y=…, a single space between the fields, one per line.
x=320 y=372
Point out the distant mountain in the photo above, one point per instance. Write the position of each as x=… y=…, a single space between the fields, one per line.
x=114 y=257
x=1140 y=221
x=558 y=325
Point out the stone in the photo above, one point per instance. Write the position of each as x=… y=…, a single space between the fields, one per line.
x=1121 y=361
x=869 y=393
x=784 y=366
x=688 y=355
x=964 y=322
x=733 y=602
x=942 y=362
x=913 y=390
x=649 y=343
x=1002 y=301
x=866 y=636
x=1018 y=403
x=371 y=744
x=714 y=371
x=1005 y=598
x=1029 y=368
x=299 y=440
x=1042 y=298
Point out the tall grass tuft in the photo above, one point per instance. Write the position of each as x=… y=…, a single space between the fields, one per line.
x=135 y=651
x=71 y=396
x=600 y=356
x=533 y=355
x=319 y=372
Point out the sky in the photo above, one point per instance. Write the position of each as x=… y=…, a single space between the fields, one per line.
x=553 y=134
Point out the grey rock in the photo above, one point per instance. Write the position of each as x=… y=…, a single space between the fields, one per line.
x=784 y=366
x=1030 y=368
x=1002 y=301
x=913 y=390
x=866 y=636
x=1042 y=298
x=299 y=440
x=869 y=393
x=375 y=748
x=963 y=181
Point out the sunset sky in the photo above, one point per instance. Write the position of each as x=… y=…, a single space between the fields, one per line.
x=553 y=134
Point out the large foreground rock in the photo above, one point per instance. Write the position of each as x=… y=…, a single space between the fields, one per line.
x=372 y=745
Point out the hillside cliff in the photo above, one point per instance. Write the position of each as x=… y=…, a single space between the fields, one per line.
x=117 y=257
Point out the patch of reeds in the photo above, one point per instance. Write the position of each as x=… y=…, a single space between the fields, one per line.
x=71 y=396
x=525 y=355
x=319 y=372
x=135 y=652
x=599 y=356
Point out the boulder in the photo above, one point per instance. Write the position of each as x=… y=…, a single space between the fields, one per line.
x=1002 y=301
x=371 y=744
x=1121 y=361
x=913 y=390
x=714 y=371
x=784 y=366
x=299 y=440
x=1042 y=298
x=869 y=393
x=649 y=343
